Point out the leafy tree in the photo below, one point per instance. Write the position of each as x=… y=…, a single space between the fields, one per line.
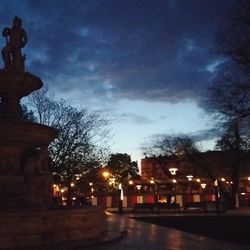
x=122 y=168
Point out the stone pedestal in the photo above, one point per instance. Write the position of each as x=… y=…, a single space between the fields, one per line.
x=14 y=86
x=25 y=181
x=50 y=227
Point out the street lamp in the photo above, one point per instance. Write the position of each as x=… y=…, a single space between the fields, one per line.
x=152 y=181
x=111 y=181
x=190 y=177
x=173 y=171
x=121 y=199
x=130 y=182
x=217 y=195
x=105 y=174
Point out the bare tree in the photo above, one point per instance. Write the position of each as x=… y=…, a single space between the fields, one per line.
x=81 y=143
x=229 y=96
x=234 y=36
x=169 y=145
x=180 y=148
x=230 y=103
x=44 y=106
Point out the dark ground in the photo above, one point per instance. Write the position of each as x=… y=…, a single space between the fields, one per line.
x=234 y=229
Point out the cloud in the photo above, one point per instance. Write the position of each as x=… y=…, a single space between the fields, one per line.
x=132 y=118
x=149 y=50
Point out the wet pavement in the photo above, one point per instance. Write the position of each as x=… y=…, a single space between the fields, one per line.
x=138 y=235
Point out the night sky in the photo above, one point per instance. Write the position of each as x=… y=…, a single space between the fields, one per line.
x=145 y=64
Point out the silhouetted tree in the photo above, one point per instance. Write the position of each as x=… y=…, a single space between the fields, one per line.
x=229 y=97
x=234 y=37
x=180 y=148
x=228 y=142
x=27 y=114
x=170 y=145
x=81 y=143
x=229 y=101
x=122 y=168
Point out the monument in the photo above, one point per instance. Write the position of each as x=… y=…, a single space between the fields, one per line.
x=26 y=214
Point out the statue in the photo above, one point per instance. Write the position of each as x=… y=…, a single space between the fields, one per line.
x=16 y=38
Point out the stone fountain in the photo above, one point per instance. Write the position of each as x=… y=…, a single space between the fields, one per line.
x=26 y=214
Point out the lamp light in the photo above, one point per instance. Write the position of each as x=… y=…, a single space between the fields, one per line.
x=190 y=177
x=173 y=171
x=105 y=174
x=152 y=181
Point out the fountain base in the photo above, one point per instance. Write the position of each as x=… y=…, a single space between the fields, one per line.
x=50 y=227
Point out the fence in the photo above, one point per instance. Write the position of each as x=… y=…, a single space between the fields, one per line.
x=129 y=201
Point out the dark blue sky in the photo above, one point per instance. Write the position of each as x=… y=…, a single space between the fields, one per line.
x=142 y=62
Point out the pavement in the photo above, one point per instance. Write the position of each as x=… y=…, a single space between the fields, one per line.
x=125 y=233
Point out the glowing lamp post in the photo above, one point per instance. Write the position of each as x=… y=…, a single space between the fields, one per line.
x=217 y=195
x=105 y=174
x=190 y=177
x=121 y=199
x=203 y=185
x=130 y=182
x=173 y=171
x=152 y=181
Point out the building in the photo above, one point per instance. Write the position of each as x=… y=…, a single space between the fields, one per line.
x=195 y=175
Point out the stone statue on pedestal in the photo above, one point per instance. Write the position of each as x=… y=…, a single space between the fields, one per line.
x=26 y=217
x=25 y=180
x=16 y=39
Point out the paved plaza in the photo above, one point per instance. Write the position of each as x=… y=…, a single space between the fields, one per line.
x=122 y=232
x=138 y=235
